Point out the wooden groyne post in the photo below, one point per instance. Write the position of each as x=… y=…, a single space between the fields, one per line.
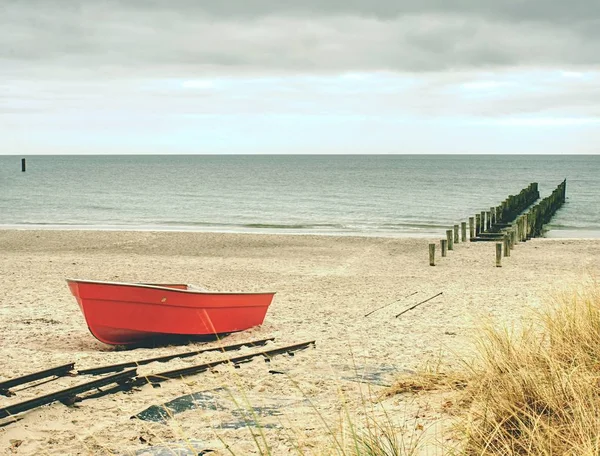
x=506 y=241
x=450 y=239
x=482 y=221
x=463 y=231
x=444 y=247
x=23 y=165
x=523 y=228
x=431 y=254
x=498 y=255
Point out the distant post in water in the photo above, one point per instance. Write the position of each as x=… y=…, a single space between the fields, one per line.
x=499 y=255
x=471 y=227
x=450 y=239
x=444 y=247
x=463 y=231
x=23 y=165
x=456 y=234
x=431 y=254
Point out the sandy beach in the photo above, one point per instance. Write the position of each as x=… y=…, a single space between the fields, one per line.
x=325 y=285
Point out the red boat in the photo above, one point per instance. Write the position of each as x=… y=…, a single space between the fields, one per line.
x=129 y=313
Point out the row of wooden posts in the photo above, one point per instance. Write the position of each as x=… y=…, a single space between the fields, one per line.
x=508 y=223
x=488 y=225
x=542 y=212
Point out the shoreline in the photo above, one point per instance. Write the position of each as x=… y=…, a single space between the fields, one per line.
x=325 y=286
x=571 y=234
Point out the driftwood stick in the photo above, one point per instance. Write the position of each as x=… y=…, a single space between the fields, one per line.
x=416 y=305
x=393 y=302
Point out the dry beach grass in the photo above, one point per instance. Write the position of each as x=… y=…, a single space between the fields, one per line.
x=534 y=391
x=325 y=286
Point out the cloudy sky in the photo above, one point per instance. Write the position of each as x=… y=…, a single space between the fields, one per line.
x=299 y=76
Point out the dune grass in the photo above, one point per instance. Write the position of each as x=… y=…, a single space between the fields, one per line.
x=537 y=391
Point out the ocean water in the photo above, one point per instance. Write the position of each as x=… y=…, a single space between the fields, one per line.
x=391 y=195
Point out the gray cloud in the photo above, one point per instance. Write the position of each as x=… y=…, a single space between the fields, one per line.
x=40 y=38
x=77 y=59
x=538 y=10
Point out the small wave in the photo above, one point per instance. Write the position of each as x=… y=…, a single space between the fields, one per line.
x=278 y=226
x=99 y=207
x=189 y=223
x=41 y=224
x=426 y=225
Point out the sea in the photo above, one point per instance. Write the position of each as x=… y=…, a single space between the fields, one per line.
x=365 y=195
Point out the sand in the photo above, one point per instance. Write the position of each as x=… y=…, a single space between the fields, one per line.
x=325 y=285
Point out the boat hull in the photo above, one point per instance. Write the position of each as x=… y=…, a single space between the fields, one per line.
x=122 y=314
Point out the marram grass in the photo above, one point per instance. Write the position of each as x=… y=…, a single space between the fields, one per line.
x=537 y=392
